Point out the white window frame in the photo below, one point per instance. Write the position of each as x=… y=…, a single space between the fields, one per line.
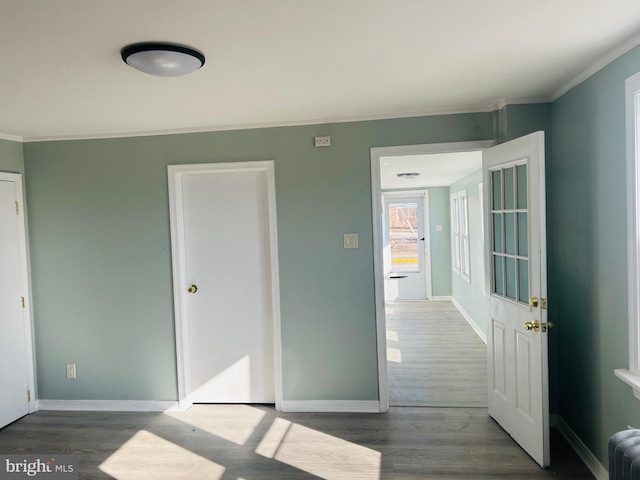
x=632 y=102
x=460 y=246
x=455 y=233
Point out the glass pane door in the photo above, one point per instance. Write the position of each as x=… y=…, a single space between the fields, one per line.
x=510 y=233
x=404 y=236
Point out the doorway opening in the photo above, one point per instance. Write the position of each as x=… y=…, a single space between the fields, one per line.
x=432 y=356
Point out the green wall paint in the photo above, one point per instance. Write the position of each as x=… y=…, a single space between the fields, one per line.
x=101 y=267
x=440 y=241
x=11 y=159
x=588 y=205
x=470 y=295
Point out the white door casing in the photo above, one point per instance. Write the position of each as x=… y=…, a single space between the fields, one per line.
x=228 y=331
x=16 y=348
x=378 y=260
x=408 y=283
x=515 y=272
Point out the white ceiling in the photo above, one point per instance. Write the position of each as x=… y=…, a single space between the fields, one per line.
x=280 y=62
x=436 y=170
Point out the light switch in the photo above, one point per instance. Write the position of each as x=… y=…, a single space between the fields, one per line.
x=439 y=228
x=350 y=240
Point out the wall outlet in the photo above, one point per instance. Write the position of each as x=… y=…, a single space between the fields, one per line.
x=71 y=370
x=322 y=141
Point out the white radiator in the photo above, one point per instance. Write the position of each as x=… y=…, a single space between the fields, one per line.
x=624 y=455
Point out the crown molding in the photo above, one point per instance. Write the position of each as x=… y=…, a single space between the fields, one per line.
x=221 y=128
x=12 y=138
x=599 y=65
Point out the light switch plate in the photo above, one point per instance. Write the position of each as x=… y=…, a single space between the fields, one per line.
x=439 y=228
x=350 y=240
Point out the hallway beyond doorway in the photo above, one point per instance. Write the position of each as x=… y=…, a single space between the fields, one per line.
x=434 y=358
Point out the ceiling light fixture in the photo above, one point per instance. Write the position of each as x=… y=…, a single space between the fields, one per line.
x=162 y=59
x=408 y=176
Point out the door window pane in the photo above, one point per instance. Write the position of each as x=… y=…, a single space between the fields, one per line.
x=403 y=236
x=522 y=186
x=511 y=277
x=509 y=199
x=496 y=188
x=498 y=275
x=497 y=232
x=510 y=233
x=523 y=235
x=523 y=276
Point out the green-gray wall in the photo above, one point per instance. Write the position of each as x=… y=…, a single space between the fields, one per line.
x=11 y=158
x=101 y=266
x=589 y=304
x=470 y=295
x=440 y=241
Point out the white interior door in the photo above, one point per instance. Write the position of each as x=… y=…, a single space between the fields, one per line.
x=405 y=248
x=15 y=337
x=516 y=277
x=225 y=285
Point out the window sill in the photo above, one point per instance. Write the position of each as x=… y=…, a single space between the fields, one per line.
x=630 y=379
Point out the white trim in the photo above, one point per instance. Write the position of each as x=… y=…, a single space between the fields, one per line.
x=470 y=320
x=590 y=460
x=16 y=179
x=442 y=298
x=12 y=138
x=605 y=60
x=222 y=128
x=108 y=405
x=424 y=193
x=632 y=120
x=175 y=173
x=378 y=263
x=503 y=102
x=332 y=406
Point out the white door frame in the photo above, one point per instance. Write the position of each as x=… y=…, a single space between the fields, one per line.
x=178 y=260
x=378 y=264
x=425 y=227
x=25 y=286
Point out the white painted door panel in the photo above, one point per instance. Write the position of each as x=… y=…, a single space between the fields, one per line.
x=13 y=348
x=515 y=272
x=227 y=258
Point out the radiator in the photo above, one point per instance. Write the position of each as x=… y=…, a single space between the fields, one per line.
x=624 y=455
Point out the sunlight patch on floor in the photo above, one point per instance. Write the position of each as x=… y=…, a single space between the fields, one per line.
x=147 y=456
x=394 y=355
x=235 y=423
x=319 y=454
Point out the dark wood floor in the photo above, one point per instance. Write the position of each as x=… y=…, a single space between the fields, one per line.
x=434 y=358
x=219 y=442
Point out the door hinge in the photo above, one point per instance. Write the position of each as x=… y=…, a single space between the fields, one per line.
x=543 y=302
x=22 y=301
x=28 y=395
x=17 y=208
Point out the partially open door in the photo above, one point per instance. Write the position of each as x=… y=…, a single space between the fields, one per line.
x=516 y=276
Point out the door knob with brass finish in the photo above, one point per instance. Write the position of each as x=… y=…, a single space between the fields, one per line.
x=533 y=302
x=192 y=289
x=535 y=326
x=547 y=326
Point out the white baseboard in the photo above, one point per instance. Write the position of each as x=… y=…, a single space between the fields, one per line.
x=589 y=459
x=333 y=406
x=108 y=405
x=446 y=298
x=470 y=321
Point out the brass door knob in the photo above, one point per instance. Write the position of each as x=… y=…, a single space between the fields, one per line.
x=547 y=326
x=192 y=289
x=535 y=326
x=534 y=302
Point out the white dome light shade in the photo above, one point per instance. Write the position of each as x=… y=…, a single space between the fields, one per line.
x=162 y=59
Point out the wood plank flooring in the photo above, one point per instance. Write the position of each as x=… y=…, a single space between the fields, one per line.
x=241 y=442
x=434 y=358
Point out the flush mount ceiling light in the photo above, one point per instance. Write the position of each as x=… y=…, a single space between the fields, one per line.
x=162 y=59
x=408 y=176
